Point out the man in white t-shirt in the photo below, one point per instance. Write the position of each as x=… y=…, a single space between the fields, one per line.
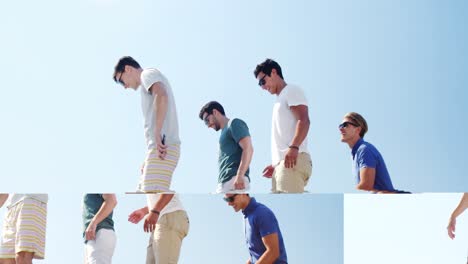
x=166 y=219
x=24 y=228
x=160 y=123
x=291 y=165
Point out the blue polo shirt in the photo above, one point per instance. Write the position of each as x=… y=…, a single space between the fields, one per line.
x=365 y=155
x=259 y=221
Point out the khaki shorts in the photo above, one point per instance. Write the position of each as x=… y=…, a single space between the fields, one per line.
x=157 y=173
x=24 y=229
x=166 y=240
x=292 y=180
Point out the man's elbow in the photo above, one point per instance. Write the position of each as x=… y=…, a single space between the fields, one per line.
x=275 y=254
x=365 y=187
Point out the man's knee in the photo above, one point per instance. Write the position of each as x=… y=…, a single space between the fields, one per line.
x=7 y=261
x=24 y=257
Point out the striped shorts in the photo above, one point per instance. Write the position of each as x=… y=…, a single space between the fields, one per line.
x=24 y=229
x=157 y=173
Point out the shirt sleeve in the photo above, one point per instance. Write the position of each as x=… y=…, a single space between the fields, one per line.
x=295 y=97
x=239 y=130
x=267 y=223
x=150 y=77
x=366 y=159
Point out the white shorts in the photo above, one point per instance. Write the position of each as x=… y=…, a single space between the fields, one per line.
x=228 y=187
x=100 y=250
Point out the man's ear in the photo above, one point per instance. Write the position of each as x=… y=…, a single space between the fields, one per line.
x=273 y=71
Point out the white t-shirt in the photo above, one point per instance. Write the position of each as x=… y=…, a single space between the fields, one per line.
x=17 y=197
x=172 y=206
x=170 y=125
x=283 y=125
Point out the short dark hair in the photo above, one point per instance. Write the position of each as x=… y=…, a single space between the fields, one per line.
x=266 y=68
x=209 y=107
x=124 y=61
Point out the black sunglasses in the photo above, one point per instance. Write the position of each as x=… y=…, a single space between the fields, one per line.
x=345 y=124
x=262 y=81
x=230 y=199
x=207 y=122
x=120 y=79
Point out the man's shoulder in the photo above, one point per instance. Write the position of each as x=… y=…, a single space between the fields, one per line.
x=367 y=149
x=237 y=121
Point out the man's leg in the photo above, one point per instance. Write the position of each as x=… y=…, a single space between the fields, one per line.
x=7 y=261
x=102 y=248
x=157 y=173
x=293 y=180
x=170 y=231
x=149 y=251
x=24 y=257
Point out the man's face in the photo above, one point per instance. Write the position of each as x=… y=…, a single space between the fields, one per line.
x=266 y=82
x=349 y=130
x=211 y=121
x=234 y=200
x=126 y=79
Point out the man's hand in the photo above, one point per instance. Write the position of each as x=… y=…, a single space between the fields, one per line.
x=142 y=167
x=137 y=215
x=162 y=148
x=291 y=158
x=151 y=220
x=239 y=183
x=268 y=171
x=451 y=228
x=90 y=233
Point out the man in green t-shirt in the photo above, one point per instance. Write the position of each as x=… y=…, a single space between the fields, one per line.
x=235 y=148
x=99 y=232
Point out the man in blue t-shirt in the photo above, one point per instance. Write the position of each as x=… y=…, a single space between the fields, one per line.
x=368 y=164
x=235 y=148
x=262 y=233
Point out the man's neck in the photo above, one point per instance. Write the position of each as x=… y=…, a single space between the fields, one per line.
x=353 y=142
x=281 y=86
x=223 y=122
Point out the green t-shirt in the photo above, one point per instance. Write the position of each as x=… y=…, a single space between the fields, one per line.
x=230 y=152
x=92 y=202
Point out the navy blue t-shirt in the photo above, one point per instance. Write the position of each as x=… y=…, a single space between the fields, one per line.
x=259 y=221
x=365 y=155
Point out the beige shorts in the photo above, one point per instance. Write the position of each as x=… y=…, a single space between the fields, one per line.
x=292 y=180
x=166 y=240
x=24 y=229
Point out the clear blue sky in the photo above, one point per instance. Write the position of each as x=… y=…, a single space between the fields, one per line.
x=403 y=229
x=66 y=125
x=312 y=227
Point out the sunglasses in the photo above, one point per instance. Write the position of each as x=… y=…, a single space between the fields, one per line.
x=262 y=81
x=206 y=119
x=345 y=124
x=230 y=199
x=120 y=79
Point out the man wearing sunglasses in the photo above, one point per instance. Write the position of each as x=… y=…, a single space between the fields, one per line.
x=262 y=232
x=291 y=165
x=160 y=122
x=368 y=164
x=235 y=148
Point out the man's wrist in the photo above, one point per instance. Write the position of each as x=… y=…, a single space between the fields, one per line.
x=155 y=212
x=294 y=147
